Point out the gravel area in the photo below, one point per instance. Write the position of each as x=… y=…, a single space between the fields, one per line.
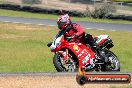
x=48 y=82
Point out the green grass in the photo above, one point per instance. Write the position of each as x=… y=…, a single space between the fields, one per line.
x=127 y=1
x=23 y=47
x=50 y=16
x=25 y=50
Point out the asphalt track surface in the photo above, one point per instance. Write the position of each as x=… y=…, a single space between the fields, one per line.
x=87 y=25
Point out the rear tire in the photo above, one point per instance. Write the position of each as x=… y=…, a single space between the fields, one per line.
x=113 y=62
x=59 y=66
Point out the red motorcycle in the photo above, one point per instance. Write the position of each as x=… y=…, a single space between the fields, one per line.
x=72 y=53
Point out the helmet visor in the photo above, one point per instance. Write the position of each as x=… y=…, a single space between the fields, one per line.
x=60 y=24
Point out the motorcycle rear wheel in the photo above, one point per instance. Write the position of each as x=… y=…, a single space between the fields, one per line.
x=113 y=62
x=62 y=66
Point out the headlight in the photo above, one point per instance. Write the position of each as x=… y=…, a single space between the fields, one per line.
x=54 y=45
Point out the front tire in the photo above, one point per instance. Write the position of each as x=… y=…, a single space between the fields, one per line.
x=62 y=66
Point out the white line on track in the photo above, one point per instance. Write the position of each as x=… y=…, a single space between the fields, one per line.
x=48 y=25
x=113 y=30
x=98 y=29
x=52 y=25
x=101 y=29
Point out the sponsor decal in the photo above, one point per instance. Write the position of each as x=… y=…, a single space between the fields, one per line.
x=75 y=47
x=86 y=58
x=99 y=39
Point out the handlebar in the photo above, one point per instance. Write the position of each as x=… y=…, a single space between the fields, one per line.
x=69 y=38
x=49 y=44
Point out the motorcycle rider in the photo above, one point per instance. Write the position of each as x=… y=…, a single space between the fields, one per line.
x=76 y=31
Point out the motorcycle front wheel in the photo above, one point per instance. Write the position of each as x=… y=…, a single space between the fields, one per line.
x=113 y=63
x=64 y=66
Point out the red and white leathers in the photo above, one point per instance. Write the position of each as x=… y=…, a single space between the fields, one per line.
x=74 y=29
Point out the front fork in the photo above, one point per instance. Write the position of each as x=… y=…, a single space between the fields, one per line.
x=65 y=54
x=67 y=61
